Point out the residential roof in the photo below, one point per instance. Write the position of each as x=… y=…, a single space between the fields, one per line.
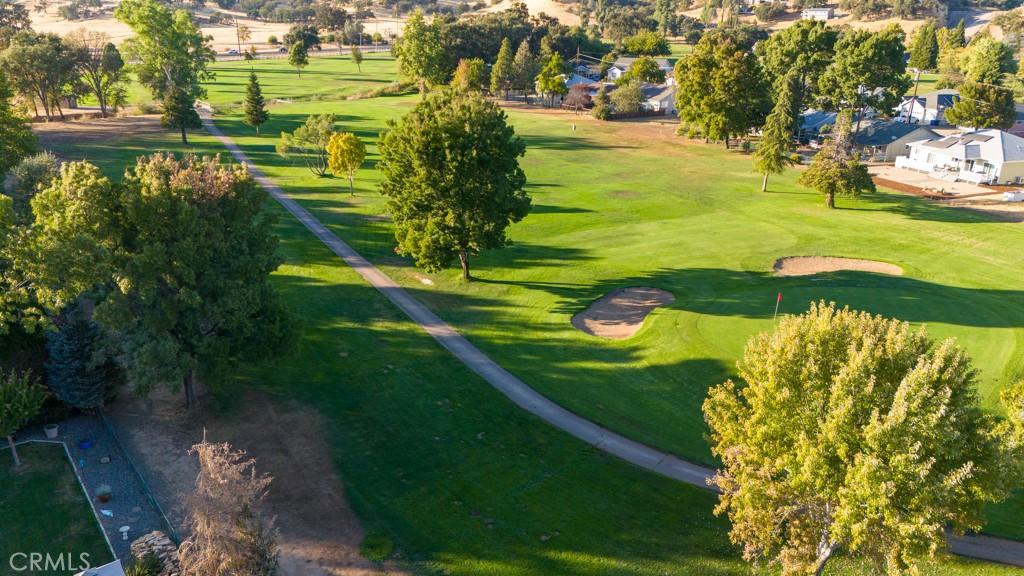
x=657 y=92
x=885 y=132
x=994 y=146
x=945 y=98
x=624 y=62
x=812 y=119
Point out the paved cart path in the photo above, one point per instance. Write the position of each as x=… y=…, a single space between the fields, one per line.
x=982 y=547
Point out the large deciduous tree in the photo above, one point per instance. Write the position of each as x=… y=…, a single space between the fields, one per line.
x=16 y=138
x=170 y=52
x=41 y=68
x=421 y=56
x=307 y=35
x=805 y=50
x=100 y=66
x=869 y=71
x=309 y=142
x=722 y=90
x=178 y=254
x=551 y=79
x=471 y=74
x=25 y=180
x=646 y=69
x=850 y=431
x=21 y=397
x=835 y=170
x=452 y=179
x=345 y=155
x=255 y=106
x=984 y=100
x=776 y=145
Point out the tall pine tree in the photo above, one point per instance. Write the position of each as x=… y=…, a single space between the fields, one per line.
x=924 y=48
x=524 y=70
x=501 y=72
x=773 y=152
x=255 y=105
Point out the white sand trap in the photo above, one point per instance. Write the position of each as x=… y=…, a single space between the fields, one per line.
x=808 y=265
x=620 y=314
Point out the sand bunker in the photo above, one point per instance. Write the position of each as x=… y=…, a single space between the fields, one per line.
x=808 y=265
x=620 y=314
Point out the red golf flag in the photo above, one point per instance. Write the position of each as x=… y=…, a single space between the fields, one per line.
x=780 y=297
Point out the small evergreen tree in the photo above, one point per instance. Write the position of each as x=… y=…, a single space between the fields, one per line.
x=21 y=397
x=524 y=70
x=835 y=171
x=357 y=58
x=255 y=105
x=602 y=109
x=78 y=372
x=180 y=113
x=776 y=146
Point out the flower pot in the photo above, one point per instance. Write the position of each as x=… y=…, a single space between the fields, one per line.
x=51 y=431
x=85 y=444
x=104 y=498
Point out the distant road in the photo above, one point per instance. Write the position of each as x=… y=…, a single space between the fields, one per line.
x=277 y=54
x=974 y=20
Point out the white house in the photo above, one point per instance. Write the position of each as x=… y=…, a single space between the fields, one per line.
x=817 y=14
x=884 y=140
x=658 y=97
x=981 y=157
x=928 y=108
x=623 y=63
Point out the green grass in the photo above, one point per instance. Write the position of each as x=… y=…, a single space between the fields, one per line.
x=43 y=510
x=427 y=450
x=326 y=77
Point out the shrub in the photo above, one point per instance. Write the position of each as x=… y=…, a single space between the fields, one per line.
x=144 y=107
x=796 y=158
x=272 y=40
x=768 y=11
x=149 y=565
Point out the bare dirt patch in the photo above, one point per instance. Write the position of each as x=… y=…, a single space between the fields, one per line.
x=319 y=533
x=810 y=265
x=95 y=129
x=620 y=314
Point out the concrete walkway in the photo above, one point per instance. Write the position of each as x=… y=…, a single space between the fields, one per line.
x=993 y=549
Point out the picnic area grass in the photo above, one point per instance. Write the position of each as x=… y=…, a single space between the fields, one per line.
x=463 y=480
x=43 y=510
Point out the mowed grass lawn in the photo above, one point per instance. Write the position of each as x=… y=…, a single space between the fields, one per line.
x=463 y=480
x=43 y=510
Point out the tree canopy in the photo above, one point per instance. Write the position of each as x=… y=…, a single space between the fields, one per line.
x=309 y=142
x=421 y=55
x=451 y=179
x=345 y=155
x=16 y=137
x=868 y=70
x=255 y=105
x=776 y=145
x=835 y=170
x=847 y=430
x=21 y=397
x=298 y=57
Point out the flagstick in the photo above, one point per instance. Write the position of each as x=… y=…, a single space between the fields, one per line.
x=774 y=316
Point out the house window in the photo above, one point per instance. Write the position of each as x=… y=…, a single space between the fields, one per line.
x=930 y=159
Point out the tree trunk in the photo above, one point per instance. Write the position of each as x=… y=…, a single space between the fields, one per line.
x=184 y=139
x=14 y=451
x=825 y=551
x=764 y=183
x=189 y=384
x=351 y=190
x=727 y=141
x=464 y=258
x=830 y=200
x=257 y=130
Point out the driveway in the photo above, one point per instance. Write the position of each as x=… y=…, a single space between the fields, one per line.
x=924 y=181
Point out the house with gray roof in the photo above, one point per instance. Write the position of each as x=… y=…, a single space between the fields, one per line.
x=884 y=140
x=928 y=108
x=623 y=63
x=980 y=157
x=658 y=97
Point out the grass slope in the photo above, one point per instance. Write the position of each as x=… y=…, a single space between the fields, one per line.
x=43 y=510
x=429 y=452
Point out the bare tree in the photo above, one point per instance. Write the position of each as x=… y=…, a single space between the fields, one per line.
x=230 y=534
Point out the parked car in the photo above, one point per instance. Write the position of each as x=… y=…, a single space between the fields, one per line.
x=282 y=49
x=232 y=52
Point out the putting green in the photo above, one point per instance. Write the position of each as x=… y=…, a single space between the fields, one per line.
x=978 y=324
